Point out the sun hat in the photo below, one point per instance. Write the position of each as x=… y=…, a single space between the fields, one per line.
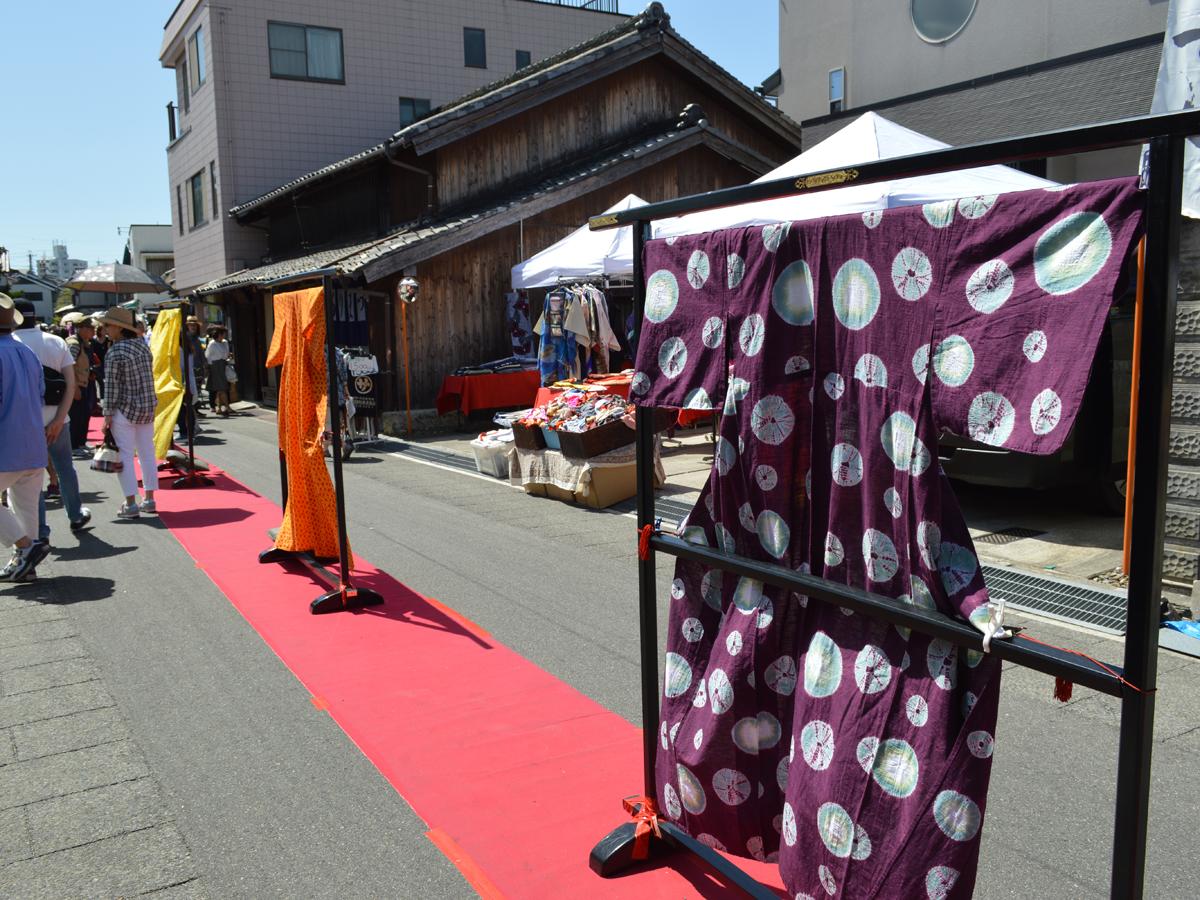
x=10 y=316
x=122 y=318
x=71 y=318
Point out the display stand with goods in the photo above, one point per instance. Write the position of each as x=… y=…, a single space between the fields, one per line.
x=1063 y=262
x=342 y=593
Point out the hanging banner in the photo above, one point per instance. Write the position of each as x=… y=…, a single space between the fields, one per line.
x=364 y=391
x=351 y=326
x=1178 y=88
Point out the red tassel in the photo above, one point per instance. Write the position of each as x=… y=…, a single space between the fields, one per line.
x=1062 y=689
x=644 y=541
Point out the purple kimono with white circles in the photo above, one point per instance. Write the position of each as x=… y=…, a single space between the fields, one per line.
x=854 y=752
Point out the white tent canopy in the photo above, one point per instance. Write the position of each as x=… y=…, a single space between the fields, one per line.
x=868 y=138
x=582 y=254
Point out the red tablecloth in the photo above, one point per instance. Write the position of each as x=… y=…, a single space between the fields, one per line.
x=470 y=392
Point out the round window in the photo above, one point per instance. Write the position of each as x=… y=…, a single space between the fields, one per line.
x=940 y=20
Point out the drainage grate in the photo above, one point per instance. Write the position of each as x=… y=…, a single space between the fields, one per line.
x=1007 y=535
x=429 y=454
x=672 y=512
x=1057 y=598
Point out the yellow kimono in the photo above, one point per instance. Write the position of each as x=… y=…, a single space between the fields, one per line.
x=168 y=380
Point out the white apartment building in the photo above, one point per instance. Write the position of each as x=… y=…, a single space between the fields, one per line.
x=972 y=70
x=59 y=266
x=151 y=249
x=268 y=90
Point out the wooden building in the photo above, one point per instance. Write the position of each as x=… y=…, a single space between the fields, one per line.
x=461 y=196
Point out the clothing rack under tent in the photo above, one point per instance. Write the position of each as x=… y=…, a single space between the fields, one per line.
x=1134 y=682
x=343 y=593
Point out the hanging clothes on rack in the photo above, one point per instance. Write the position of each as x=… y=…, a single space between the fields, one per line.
x=587 y=319
x=298 y=345
x=854 y=753
x=517 y=316
x=557 y=356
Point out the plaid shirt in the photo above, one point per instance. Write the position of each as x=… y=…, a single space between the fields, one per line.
x=129 y=382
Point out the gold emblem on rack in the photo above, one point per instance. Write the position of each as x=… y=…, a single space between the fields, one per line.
x=825 y=178
x=601 y=221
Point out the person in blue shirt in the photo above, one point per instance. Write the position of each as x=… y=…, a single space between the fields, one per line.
x=23 y=454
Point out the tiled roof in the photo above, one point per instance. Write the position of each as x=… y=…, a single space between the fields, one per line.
x=354 y=258
x=653 y=18
x=270 y=271
x=314 y=175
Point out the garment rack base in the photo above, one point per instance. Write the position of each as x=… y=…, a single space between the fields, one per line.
x=340 y=596
x=613 y=857
x=192 y=480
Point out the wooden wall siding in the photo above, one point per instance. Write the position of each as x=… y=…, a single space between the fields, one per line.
x=578 y=126
x=459 y=318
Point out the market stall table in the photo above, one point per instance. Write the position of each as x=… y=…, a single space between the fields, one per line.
x=597 y=482
x=493 y=391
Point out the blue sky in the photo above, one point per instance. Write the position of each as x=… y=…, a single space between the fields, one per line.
x=85 y=96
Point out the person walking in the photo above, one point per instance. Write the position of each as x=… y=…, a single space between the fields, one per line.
x=22 y=448
x=217 y=355
x=80 y=345
x=129 y=404
x=58 y=375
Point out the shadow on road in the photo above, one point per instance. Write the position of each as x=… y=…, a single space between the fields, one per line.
x=60 y=590
x=200 y=518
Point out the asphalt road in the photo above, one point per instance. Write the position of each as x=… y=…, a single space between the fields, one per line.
x=268 y=798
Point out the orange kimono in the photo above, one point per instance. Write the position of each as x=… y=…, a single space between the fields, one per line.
x=298 y=344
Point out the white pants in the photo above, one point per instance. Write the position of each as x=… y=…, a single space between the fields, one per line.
x=130 y=438
x=20 y=518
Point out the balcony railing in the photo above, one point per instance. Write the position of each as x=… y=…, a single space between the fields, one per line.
x=173 y=129
x=606 y=6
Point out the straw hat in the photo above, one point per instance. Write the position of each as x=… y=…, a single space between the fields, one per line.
x=192 y=320
x=123 y=318
x=10 y=316
x=71 y=318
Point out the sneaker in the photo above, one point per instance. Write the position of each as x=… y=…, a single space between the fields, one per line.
x=29 y=559
x=85 y=516
x=149 y=508
x=10 y=567
x=128 y=511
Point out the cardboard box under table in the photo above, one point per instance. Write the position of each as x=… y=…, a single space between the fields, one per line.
x=598 y=482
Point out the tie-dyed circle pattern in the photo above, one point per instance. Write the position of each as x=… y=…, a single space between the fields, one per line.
x=793 y=703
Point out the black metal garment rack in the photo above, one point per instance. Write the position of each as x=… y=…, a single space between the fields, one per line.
x=1134 y=682
x=343 y=594
x=191 y=478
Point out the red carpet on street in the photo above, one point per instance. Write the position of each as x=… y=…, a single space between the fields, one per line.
x=515 y=773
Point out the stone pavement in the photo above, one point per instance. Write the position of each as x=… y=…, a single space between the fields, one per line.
x=80 y=812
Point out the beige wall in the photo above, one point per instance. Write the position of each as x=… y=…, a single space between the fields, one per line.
x=887 y=59
x=263 y=131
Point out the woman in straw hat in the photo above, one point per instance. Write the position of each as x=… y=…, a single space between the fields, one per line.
x=129 y=405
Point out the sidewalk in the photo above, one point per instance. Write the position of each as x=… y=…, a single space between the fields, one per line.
x=80 y=812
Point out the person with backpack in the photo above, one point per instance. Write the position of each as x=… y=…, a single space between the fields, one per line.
x=22 y=448
x=58 y=376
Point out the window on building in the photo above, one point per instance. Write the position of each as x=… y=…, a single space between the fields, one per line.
x=837 y=90
x=195 y=58
x=940 y=20
x=181 y=83
x=196 y=193
x=474 y=48
x=179 y=206
x=523 y=59
x=413 y=108
x=305 y=52
x=212 y=188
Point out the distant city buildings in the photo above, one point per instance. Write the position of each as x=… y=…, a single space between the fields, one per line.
x=59 y=266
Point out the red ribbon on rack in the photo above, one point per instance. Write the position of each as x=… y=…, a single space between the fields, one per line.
x=644 y=535
x=646 y=816
x=1064 y=688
